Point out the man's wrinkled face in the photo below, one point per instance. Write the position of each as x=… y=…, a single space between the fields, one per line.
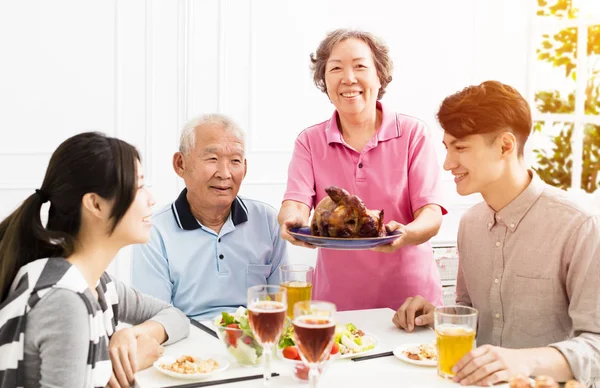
x=215 y=167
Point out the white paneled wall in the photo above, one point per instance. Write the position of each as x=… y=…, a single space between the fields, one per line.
x=139 y=69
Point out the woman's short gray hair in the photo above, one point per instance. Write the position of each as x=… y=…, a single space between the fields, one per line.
x=188 y=133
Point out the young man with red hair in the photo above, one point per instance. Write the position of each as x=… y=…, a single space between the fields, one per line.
x=529 y=254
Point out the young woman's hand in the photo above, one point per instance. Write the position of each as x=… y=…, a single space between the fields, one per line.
x=122 y=349
x=148 y=351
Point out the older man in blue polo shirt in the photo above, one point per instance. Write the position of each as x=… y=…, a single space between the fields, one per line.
x=210 y=245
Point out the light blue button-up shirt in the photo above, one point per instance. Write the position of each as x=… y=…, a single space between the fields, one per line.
x=201 y=272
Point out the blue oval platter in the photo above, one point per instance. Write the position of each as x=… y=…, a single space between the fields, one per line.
x=303 y=234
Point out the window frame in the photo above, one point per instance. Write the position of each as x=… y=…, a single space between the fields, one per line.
x=579 y=119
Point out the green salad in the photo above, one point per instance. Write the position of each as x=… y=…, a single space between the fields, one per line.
x=350 y=339
x=234 y=331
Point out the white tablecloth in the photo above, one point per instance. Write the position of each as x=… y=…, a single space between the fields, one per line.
x=378 y=372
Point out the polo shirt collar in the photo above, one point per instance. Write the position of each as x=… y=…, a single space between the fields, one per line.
x=389 y=129
x=515 y=211
x=186 y=220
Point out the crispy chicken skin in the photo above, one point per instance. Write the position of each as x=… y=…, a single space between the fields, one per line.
x=343 y=215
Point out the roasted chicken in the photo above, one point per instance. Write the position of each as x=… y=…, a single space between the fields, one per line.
x=343 y=215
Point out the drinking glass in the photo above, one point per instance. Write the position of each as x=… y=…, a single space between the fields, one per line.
x=455 y=328
x=297 y=279
x=266 y=314
x=314 y=328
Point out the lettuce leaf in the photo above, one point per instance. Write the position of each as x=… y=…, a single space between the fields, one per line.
x=227 y=319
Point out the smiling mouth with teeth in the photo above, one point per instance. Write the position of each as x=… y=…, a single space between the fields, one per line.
x=351 y=94
x=459 y=177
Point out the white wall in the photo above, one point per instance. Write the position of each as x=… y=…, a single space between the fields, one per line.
x=139 y=69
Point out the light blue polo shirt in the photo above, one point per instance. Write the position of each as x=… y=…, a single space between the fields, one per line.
x=201 y=272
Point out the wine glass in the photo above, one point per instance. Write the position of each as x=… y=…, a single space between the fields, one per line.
x=267 y=306
x=314 y=329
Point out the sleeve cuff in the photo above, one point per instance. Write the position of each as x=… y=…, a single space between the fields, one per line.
x=429 y=201
x=582 y=360
x=305 y=199
x=175 y=322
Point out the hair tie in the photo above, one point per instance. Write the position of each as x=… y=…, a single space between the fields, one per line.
x=43 y=196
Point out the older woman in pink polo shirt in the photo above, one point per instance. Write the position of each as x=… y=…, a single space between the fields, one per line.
x=385 y=158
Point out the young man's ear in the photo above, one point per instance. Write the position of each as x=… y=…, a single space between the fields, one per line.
x=508 y=142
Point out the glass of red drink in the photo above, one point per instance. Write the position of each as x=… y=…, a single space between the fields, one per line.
x=314 y=329
x=267 y=306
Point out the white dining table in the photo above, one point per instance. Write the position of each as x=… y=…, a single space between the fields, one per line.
x=380 y=372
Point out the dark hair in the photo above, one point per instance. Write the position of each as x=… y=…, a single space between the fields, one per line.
x=381 y=57
x=89 y=162
x=488 y=108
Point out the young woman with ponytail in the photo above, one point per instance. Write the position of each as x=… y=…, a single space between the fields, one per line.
x=58 y=306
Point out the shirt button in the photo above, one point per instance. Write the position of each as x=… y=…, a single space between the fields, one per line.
x=497 y=315
x=496 y=281
x=490 y=224
x=498 y=243
x=219 y=240
x=360 y=165
x=498 y=218
x=512 y=226
x=221 y=257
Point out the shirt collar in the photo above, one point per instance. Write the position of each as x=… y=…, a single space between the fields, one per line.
x=389 y=128
x=512 y=214
x=186 y=220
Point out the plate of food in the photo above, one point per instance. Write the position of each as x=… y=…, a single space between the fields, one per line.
x=418 y=354
x=341 y=243
x=354 y=342
x=190 y=367
x=342 y=221
x=521 y=381
x=350 y=342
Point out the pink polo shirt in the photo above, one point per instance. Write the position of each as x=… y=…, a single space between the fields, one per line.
x=397 y=171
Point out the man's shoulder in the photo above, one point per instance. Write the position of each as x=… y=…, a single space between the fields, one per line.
x=163 y=221
x=257 y=207
x=560 y=203
x=164 y=213
x=477 y=212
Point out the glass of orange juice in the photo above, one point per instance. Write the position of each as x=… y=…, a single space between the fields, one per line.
x=298 y=280
x=455 y=328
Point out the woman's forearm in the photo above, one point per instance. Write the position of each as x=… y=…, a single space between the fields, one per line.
x=428 y=220
x=291 y=210
x=152 y=329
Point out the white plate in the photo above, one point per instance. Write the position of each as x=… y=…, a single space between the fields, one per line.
x=223 y=365
x=399 y=352
x=352 y=355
